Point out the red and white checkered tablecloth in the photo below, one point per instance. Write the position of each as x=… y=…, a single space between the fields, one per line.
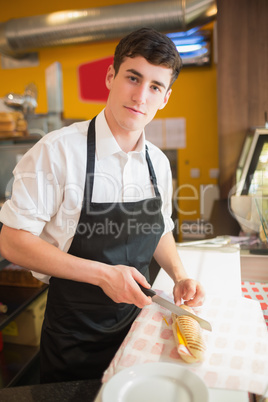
x=236 y=349
x=257 y=291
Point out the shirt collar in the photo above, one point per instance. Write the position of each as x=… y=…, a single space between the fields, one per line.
x=106 y=144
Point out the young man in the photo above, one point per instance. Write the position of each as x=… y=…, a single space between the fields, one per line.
x=91 y=205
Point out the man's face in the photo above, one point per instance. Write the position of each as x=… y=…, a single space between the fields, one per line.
x=137 y=92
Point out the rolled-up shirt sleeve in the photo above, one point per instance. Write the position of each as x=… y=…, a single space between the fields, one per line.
x=36 y=193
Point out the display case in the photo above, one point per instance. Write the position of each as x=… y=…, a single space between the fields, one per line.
x=252 y=170
x=20 y=344
x=249 y=196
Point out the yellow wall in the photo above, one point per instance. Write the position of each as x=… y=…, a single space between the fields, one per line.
x=194 y=95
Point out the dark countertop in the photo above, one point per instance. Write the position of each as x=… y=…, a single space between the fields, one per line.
x=56 y=392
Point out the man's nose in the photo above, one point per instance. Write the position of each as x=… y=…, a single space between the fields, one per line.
x=140 y=94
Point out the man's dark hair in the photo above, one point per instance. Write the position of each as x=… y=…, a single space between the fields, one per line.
x=154 y=46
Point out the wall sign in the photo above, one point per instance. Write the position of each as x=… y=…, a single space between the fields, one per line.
x=91 y=77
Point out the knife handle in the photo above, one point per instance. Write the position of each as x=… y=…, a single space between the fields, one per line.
x=147 y=292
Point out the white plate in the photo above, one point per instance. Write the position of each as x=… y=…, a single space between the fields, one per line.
x=157 y=382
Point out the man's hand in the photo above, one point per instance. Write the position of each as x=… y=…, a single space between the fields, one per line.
x=190 y=291
x=186 y=289
x=119 y=282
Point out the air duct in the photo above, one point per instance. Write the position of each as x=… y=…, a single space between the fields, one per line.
x=25 y=35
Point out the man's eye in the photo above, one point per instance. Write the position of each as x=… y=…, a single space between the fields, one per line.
x=155 y=88
x=132 y=78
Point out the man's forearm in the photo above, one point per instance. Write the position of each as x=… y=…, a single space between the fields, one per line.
x=25 y=249
x=167 y=257
x=119 y=283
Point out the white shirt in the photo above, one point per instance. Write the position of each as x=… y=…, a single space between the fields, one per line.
x=49 y=181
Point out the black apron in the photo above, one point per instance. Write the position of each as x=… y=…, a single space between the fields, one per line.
x=83 y=327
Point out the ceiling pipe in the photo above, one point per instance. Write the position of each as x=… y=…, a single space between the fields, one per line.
x=21 y=36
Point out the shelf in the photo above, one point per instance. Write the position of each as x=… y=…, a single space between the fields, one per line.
x=17 y=299
x=14 y=360
x=21 y=139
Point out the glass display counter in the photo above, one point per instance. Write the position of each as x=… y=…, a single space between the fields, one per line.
x=15 y=358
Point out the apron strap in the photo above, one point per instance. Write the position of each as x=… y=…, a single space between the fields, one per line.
x=152 y=173
x=90 y=159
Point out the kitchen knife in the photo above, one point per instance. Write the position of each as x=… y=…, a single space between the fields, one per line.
x=174 y=308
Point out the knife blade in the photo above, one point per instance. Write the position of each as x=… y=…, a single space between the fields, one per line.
x=174 y=308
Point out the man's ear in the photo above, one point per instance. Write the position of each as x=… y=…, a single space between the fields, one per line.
x=166 y=98
x=109 y=76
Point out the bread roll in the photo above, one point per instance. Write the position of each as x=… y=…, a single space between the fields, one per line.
x=21 y=125
x=188 y=337
x=18 y=115
x=7 y=126
x=12 y=124
x=6 y=117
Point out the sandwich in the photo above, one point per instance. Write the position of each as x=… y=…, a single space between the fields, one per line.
x=188 y=337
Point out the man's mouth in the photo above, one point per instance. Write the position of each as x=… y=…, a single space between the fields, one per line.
x=133 y=110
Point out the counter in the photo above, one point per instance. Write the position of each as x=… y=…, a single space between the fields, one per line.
x=88 y=391
x=56 y=392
